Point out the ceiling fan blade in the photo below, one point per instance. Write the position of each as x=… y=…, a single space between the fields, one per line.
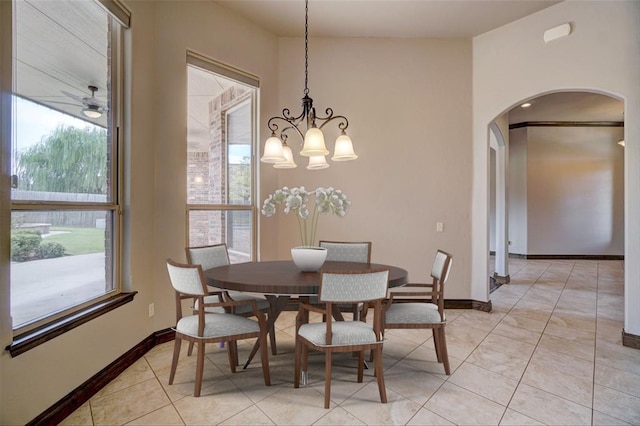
x=74 y=97
x=61 y=103
x=87 y=101
x=95 y=102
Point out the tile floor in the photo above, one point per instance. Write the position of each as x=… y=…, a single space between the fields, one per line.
x=549 y=353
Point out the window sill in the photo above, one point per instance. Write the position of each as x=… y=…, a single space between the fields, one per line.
x=27 y=341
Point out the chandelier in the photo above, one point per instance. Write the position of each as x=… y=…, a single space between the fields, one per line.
x=276 y=149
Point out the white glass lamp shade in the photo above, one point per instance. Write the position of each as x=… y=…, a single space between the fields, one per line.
x=314 y=143
x=317 y=162
x=344 y=149
x=273 y=152
x=288 y=163
x=92 y=111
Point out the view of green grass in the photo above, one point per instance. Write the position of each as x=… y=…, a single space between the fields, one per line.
x=79 y=240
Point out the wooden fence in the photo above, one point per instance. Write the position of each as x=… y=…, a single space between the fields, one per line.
x=72 y=218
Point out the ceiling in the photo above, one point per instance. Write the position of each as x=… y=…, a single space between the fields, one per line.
x=71 y=57
x=384 y=18
x=74 y=53
x=569 y=106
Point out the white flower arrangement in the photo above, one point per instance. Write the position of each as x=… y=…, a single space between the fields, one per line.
x=327 y=201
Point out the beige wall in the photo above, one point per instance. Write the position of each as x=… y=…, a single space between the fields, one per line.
x=512 y=63
x=408 y=104
x=573 y=200
x=517 y=194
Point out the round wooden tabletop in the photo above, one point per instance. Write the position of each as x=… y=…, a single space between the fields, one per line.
x=282 y=276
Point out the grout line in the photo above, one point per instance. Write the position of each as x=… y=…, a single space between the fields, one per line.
x=536 y=346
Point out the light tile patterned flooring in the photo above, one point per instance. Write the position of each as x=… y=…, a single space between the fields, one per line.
x=549 y=353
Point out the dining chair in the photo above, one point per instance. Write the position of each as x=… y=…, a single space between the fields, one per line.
x=347 y=251
x=342 y=336
x=420 y=306
x=211 y=327
x=212 y=256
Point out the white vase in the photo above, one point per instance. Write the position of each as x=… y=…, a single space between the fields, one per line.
x=308 y=258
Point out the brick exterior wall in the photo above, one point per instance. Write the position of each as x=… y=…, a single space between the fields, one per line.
x=206 y=172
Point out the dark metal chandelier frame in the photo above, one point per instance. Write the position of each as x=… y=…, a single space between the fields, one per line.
x=308 y=110
x=277 y=151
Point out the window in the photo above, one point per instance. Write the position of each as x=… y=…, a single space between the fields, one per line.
x=65 y=181
x=220 y=158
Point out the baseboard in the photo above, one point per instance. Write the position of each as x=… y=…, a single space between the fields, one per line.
x=630 y=340
x=496 y=281
x=74 y=399
x=448 y=304
x=501 y=279
x=566 y=256
x=467 y=304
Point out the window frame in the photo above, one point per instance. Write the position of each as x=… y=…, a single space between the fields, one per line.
x=244 y=78
x=34 y=333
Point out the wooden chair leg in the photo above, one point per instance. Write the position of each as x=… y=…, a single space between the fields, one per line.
x=436 y=343
x=305 y=357
x=444 y=354
x=233 y=355
x=199 y=369
x=327 y=379
x=372 y=353
x=174 y=361
x=190 y=350
x=297 y=360
x=360 y=366
x=264 y=352
x=380 y=375
x=232 y=352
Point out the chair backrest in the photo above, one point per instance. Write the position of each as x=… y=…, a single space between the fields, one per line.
x=344 y=251
x=440 y=273
x=361 y=286
x=208 y=257
x=186 y=279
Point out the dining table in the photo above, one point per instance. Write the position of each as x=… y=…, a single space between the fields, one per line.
x=279 y=280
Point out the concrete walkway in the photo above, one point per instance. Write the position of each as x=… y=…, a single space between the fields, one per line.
x=41 y=287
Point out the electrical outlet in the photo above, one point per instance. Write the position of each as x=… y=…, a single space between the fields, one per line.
x=439 y=227
x=151 y=309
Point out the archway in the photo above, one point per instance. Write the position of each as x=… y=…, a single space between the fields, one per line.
x=567 y=184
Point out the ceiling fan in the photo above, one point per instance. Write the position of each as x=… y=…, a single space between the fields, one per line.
x=92 y=107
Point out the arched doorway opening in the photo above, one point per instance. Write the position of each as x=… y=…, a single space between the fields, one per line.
x=564 y=179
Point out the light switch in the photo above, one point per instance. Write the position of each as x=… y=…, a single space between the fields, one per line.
x=439 y=227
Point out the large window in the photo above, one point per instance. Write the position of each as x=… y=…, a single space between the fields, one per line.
x=220 y=158
x=65 y=181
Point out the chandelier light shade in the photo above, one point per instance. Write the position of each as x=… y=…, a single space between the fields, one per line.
x=273 y=151
x=344 y=149
x=288 y=162
x=276 y=150
x=317 y=162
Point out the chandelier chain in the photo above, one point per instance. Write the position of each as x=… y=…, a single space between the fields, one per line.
x=306 y=47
